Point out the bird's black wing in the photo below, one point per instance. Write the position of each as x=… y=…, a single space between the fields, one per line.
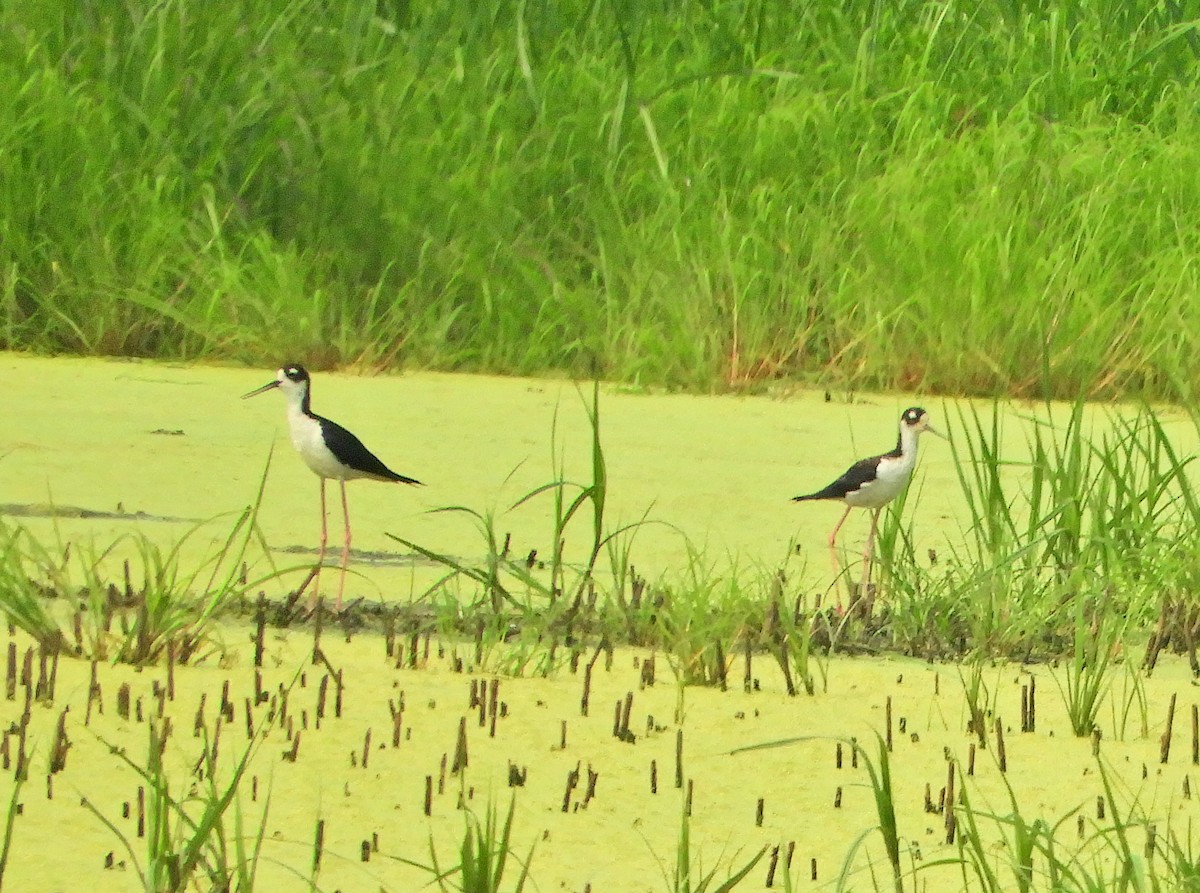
x=861 y=472
x=350 y=451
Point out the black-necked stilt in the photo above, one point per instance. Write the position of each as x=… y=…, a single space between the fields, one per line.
x=873 y=483
x=329 y=450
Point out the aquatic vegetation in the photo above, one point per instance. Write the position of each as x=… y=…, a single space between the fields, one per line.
x=172 y=609
x=1080 y=539
x=21 y=598
x=1077 y=550
x=190 y=840
x=195 y=822
x=880 y=777
x=551 y=593
x=483 y=856
x=687 y=875
x=10 y=822
x=1033 y=853
x=1075 y=540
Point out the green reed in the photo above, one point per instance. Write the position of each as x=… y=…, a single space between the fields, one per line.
x=879 y=774
x=550 y=593
x=483 y=856
x=1008 y=849
x=687 y=874
x=10 y=821
x=1066 y=544
x=189 y=841
x=710 y=196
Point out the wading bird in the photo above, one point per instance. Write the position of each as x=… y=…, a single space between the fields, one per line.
x=873 y=483
x=330 y=451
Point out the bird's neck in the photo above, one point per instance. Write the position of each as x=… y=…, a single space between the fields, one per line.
x=906 y=444
x=299 y=409
x=300 y=402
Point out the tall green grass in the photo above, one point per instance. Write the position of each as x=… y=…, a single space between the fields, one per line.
x=680 y=194
x=1069 y=546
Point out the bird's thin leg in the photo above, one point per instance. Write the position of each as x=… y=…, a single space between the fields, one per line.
x=345 y=546
x=833 y=541
x=315 y=576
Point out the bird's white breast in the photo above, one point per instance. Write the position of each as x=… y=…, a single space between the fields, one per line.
x=307 y=439
x=891 y=476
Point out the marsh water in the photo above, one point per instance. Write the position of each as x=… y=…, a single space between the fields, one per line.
x=161 y=442
x=159 y=448
x=95 y=449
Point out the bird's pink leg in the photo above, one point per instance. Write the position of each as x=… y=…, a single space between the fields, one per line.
x=345 y=547
x=833 y=540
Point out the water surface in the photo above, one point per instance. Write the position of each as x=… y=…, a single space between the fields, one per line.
x=129 y=443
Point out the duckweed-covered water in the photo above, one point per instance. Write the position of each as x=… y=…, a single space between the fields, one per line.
x=114 y=447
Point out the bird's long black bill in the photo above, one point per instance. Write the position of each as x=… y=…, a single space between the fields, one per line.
x=262 y=390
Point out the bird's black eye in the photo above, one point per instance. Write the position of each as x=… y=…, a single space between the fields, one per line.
x=293 y=373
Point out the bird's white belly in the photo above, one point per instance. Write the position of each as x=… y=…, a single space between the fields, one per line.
x=891 y=477
x=307 y=439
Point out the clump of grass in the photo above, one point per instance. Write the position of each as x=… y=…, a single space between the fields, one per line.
x=880 y=778
x=1034 y=857
x=22 y=561
x=1132 y=703
x=511 y=588
x=189 y=840
x=1026 y=840
x=979 y=699
x=173 y=607
x=699 y=617
x=1097 y=636
x=1084 y=532
x=687 y=874
x=794 y=632
x=483 y=856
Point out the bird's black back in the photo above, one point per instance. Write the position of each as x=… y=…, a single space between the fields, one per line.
x=860 y=473
x=350 y=450
x=853 y=478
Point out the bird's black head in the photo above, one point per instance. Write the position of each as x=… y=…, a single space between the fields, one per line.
x=293 y=380
x=916 y=420
x=294 y=372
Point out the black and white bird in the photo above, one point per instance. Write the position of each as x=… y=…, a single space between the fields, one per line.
x=873 y=483
x=330 y=451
